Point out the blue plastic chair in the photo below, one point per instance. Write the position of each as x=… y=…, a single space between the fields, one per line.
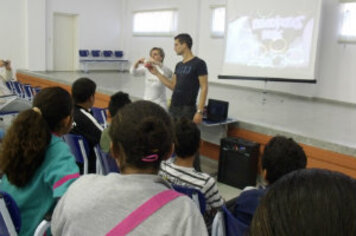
x=100 y=115
x=107 y=53
x=18 y=89
x=119 y=54
x=35 y=90
x=194 y=194
x=9 y=85
x=83 y=53
x=225 y=224
x=79 y=148
x=107 y=163
x=10 y=218
x=28 y=92
x=95 y=53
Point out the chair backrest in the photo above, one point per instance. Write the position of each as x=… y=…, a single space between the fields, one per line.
x=108 y=164
x=79 y=148
x=119 y=53
x=95 y=53
x=10 y=218
x=218 y=227
x=42 y=228
x=35 y=90
x=100 y=115
x=197 y=196
x=83 y=53
x=18 y=89
x=232 y=225
x=9 y=85
x=107 y=53
x=28 y=92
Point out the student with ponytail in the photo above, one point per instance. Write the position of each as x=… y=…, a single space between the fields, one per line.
x=137 y=201
x=38 y=166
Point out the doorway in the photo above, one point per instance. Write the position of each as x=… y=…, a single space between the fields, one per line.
x=65 y=42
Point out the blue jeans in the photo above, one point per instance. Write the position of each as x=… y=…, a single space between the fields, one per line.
x=178 y=112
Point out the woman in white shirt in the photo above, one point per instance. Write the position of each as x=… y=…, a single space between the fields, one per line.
x=5 y=75
x=155 y=91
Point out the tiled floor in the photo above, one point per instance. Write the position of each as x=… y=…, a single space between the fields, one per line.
x=209 y=166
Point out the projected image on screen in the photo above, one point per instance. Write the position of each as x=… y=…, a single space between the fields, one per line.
x=270 y=41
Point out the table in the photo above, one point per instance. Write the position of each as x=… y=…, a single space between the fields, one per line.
x=212 y=132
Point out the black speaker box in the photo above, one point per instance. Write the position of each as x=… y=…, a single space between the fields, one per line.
x=238 y=162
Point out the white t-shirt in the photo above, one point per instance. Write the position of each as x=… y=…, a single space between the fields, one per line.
x=155 y=90
x=5 y=75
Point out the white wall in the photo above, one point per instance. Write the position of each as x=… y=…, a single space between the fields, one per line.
x=35 y=34
x=12 y=39
x=336 y=78
x=27 y=39
x=99 y=23
x=138 y=46
x=336 y=72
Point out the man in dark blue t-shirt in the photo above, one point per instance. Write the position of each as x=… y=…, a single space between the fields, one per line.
x=189 y=75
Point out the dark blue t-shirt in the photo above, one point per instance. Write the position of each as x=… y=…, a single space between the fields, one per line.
x=187 y=86
x=246 y=205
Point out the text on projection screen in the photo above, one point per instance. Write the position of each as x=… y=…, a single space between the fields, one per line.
x=272 y=39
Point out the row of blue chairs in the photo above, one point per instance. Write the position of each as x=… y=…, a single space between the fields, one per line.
x=100 y=114
x=106 y=164
x=225 y=224
x=10 y=218
x=80 y=149
x=99 y=53
x=25 y=91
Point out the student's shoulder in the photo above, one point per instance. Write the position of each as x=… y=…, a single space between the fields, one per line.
x=185 y=205
x=86 y=182
x=203 y=175
x=57 y=147
x=251 y=193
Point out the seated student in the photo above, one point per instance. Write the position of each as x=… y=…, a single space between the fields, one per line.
x=83 y=92
x=308 y=202
x=182 y=172
x=38 y=166
x=141 y=136
x=281 y=156
x=117 y=101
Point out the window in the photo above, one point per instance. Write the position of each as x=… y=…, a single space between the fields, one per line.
x=218 y=22
x=348 y=26
x=163 y=22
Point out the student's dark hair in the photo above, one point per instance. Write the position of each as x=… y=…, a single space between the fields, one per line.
x=83 y=89
x=187 y=138
x=117 y=101
x=185 y=38
x=160 y=50
x=25 y=143
x=281 y=156
x=139 y=130
x=308 y=202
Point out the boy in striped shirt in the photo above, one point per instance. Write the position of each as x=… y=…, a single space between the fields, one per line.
x=181 y=171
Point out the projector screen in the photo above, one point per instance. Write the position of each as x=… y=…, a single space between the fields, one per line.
x=271 y=40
